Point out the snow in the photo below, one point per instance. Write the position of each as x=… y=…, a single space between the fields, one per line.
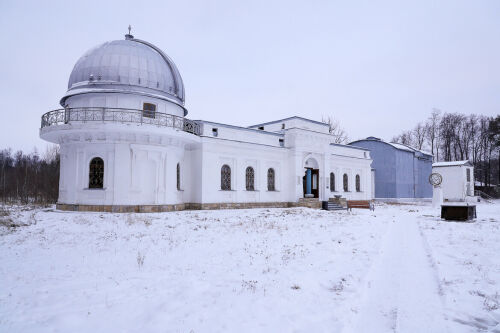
x=452 y=163
x=401 y=146
x=398 y=269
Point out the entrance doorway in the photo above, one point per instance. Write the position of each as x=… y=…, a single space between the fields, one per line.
x=310 y=183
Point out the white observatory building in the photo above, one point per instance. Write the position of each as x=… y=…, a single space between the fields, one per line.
x=126 y=145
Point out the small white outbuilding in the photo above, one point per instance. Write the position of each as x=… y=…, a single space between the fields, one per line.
x=458 y=179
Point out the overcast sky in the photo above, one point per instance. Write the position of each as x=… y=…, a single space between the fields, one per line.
x=376 y=66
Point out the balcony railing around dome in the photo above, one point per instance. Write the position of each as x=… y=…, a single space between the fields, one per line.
x=118 y=115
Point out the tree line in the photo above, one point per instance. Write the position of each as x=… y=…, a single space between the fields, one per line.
x=457 y=137
x=29 y=178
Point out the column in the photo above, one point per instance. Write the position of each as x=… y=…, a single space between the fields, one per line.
x=308 y=181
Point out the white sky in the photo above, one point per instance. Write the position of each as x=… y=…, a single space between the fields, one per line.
x=376 y=66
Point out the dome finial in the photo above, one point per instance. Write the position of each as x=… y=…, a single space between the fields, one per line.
x=129 y=35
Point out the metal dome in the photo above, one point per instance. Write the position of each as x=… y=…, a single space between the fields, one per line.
x=127 y=66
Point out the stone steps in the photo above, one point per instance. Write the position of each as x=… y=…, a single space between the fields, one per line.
x=330 y=205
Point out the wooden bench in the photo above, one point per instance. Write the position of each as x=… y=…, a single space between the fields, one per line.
x=360 y=204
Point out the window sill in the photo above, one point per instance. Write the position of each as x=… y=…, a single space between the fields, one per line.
x=181 y=190
x=252 y=191
x=94 y=189
x=227 y=190
x=272 y=191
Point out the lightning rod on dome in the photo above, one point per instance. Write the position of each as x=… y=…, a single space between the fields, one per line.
x=129 y=35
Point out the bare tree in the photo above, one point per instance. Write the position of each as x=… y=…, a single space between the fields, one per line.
x=419 y=133
x=51 y=153
x=335 y=130
x=432 y=132
x=406 y=138
x=494 y=135
x=455 y=136
x=26 y=178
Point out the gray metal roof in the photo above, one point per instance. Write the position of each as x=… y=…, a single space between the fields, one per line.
x=398 y=146
x=348 y=146
x=131 y=65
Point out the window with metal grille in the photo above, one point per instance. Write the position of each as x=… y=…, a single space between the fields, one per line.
x=332 y=182
x=178 y=177
x=358 y=183
x=250 y=179
x=148 y=110
x=346 y=183
x=96 y=173
x=225 y=178
x=270 y=180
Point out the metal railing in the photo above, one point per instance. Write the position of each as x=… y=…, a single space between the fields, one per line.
x=118 y=115
x=483 y=195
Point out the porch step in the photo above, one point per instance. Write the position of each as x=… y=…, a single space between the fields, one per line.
x=329 y=205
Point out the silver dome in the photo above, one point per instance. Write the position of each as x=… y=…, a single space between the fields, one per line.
x=127 y=66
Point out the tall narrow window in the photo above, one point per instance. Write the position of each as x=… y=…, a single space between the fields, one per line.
x=178 y=177
x=332 y=182
x=270 y=180
x=250 y=179
x=358 y=183
x=225 y=178
x=96 y=173
x=148 y=110
x=346 y=183
x=468 y=174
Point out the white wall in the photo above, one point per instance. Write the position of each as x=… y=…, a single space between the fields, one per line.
x=241 y=134
x=455 y=186
x=140 y=164
x=352 y=167
x=238 y=156
x=134 y=174
x=126 y=101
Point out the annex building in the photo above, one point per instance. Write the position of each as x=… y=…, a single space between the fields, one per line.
x=126 y=145
x=399 y=171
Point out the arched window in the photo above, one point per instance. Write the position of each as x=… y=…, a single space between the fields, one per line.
x=250 y=179
x=270 y=180
x=358 y=184
x=178 y=177
x=346 y=183
x=225 y=178
x=96 y=173
x=332 y=182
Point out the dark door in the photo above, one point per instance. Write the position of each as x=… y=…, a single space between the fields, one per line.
x=315 y=183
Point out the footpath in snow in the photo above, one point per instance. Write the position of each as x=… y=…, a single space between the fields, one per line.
x=402 y=292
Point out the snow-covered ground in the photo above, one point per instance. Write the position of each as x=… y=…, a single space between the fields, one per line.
x=398 y=269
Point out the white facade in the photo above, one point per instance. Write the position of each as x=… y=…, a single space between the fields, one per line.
x=458 y=179
x=142 y=153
